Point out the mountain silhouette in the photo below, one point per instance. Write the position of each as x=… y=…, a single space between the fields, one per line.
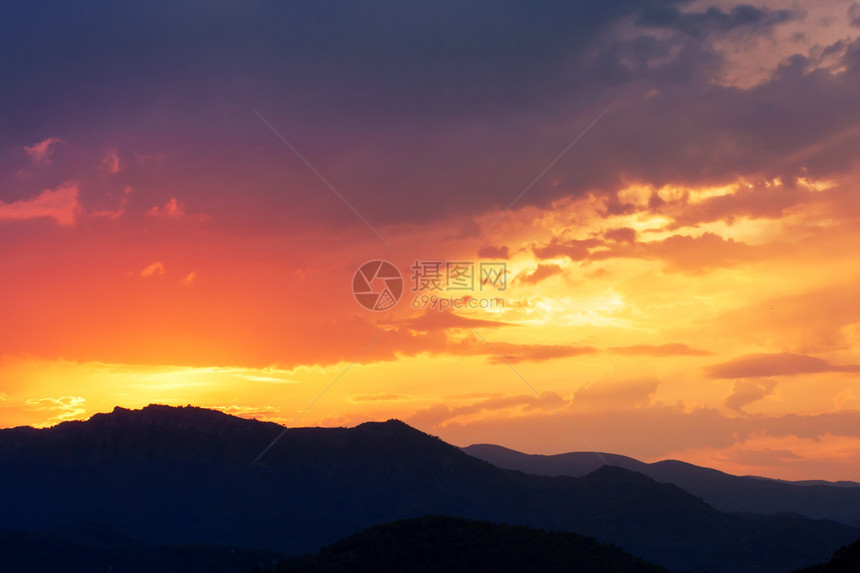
x=85 y=548
x=454 y=545
x=839 y=501
x=166 y=476
x=844 y=560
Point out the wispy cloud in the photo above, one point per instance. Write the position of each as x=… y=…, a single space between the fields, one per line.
x=539 y=274
x=513 y=353
x=670 y=349
x=380 y=397
x=785 y=364
x=120 y=209
x=748 y=391
x=67 y=407
x=173 y=208
x=111 y=162
x=40 y=153
x=155 y=269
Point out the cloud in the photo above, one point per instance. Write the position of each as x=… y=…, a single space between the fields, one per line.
x=380 y=397
x=854 y=14
x=68 y=407
x=110 y=162
x=448 y=333
x=433 y=321
x=539 y=274
x=575 y=249
x=616 y=395
x=173 y=208
x=747 y=391
x=60 y=204
x=439 y=414
x=681 y=253
x=120 y=209
x=189 y=279
x=764 y=200
x=694 y=254
x=267 y=379
x=685 y=130
x=670 y=349
x=40 y=153
x=810 y=426
x=493 y=252
x=265 y=413
x=625 y=419
x=785 y=364
x=714 y=20
x=763 y=457
x=621 y=235
x=513 y=353
x=156 y=268
x=817 y=320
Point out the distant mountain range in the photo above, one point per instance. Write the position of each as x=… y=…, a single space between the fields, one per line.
x=839 y=501
x=453 y=545
x=179 y=476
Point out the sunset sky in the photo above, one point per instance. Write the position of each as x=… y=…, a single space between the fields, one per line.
x=683 y=260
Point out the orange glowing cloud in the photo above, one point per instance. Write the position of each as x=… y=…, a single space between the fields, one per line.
x=493 y=252
x=62 y=408
x=539 y=274
x=669 y=349
x=155 y=269
x=513 y=353
x=189 y=279
x=60 y=204
x=748 y=391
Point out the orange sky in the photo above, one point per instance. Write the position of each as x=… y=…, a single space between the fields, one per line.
x=708 y=316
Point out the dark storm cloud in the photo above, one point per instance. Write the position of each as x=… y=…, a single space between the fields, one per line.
x=367 y=90
x=714 y=19
x=854 y=14
x=417 y=57
x=413 y=110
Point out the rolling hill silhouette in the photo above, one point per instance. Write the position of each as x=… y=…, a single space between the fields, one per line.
x=85 y=548
x=166 y=475
x=845 y=560
x=455 y=545
x=839 y=501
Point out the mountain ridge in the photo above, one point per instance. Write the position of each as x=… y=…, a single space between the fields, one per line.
x=168 y=475
x=455 y=545
x=478 y=447
x=726 y=492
